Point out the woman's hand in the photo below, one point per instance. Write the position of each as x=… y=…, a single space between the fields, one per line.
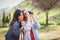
x=23 y=24
x=33 y=16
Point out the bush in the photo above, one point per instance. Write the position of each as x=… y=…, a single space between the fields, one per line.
x=58 y=23
x=42 y=23
x=51 y=23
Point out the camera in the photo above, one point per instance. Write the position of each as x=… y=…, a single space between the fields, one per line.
x=30 y=12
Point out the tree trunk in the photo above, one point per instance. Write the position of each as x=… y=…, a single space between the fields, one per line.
x=46 y=17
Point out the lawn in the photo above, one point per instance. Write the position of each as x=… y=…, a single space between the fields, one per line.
x=44 y=32
x=3 y=30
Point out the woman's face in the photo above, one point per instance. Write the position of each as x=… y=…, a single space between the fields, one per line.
x=25 y=13
x=20 y=17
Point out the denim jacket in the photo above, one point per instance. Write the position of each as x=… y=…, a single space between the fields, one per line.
x=13 y=32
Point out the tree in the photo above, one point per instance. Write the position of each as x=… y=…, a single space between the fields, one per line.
x=8 y=17
x=46 y=5
x=3 y=19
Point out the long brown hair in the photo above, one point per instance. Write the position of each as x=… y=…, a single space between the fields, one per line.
x=16 y=14
x=24 y=18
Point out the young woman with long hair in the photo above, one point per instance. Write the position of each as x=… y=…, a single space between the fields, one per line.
x=15 y=26
x=33 y=25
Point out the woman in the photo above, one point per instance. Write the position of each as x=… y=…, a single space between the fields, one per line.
x=15 y=26
x=33 y=34
x=34 y=26
x=27 y=26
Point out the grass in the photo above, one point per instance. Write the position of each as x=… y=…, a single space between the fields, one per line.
x=3 y=30
x=49 y=28
x=43 y=30
x=2 y=33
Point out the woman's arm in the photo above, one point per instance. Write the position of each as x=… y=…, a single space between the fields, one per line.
x=36 y=25
x=26 y=25
x=16 y=30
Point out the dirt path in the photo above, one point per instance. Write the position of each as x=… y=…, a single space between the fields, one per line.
x=2 y=37
x=52 y=35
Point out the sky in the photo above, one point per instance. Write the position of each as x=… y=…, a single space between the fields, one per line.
x=9 y=3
